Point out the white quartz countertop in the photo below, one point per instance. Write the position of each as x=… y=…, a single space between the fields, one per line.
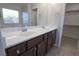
x=19 y=37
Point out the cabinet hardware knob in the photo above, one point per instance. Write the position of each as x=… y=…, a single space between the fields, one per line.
x=18 y=51
x=38 y=45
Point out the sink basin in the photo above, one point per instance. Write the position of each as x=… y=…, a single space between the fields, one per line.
x=11 y=37
x=26 y=33
x=10 y=34
x=20 y=34
x=16 y=34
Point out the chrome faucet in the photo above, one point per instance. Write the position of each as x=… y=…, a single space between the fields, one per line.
x=24 y=29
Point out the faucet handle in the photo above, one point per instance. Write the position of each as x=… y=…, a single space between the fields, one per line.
x=43 y=27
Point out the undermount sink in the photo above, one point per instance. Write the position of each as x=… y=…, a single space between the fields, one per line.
x=11 y=37
x=26 y=33
x=16 y=34
x=20 y=34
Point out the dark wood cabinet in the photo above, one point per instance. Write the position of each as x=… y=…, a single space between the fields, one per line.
x=42 y=48
x=30 y=52
x=16 y=50
x=37 y=46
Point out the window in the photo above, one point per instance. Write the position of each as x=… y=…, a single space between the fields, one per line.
x=25 y=18
x=10 y=16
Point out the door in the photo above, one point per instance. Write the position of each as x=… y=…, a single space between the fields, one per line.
x=25 y=18
x=34 y=17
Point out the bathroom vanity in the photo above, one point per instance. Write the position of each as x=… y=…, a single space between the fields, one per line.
x=37 y=44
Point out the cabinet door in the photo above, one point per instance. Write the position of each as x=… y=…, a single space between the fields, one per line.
x=50 y=40
x=42 y=48
x=30 y=52
x=16 y=50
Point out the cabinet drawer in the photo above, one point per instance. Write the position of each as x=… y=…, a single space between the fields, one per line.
x=16 y=50
x=34 y=41
x=30 y=52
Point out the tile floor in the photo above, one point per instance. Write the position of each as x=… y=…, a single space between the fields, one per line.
x=68 y=48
